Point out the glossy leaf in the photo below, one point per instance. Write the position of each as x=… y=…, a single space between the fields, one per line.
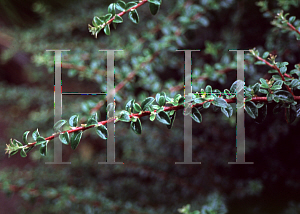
x=197 y=117
x=284 y=96
x=129 y=105
x=102 y=132
x=124 y=116
x=107 y=29
x=118 y=19
x=16 y=142
x=64 y=138
x=208 y=89
x=237 y=86
x=107 y=17
x=136 y=126
x=172 y=118
x=75 y=139
x=163 y=117
x=137 y=107
x=58 y=125
x=22 y=153
x=73 y=121
x=25 y=135
x=40 y=140
x=112 y=8
x=97 y=21
x=161 y=98
x=154 y=8
x=133 y=16
x=147 y=102
x=206 y=104
x=156 y=2
x=264 y=83
x=43 y=149
x=227 y=111
x=91 y=121
x=220 y=102
x=121 y=5
x=35 y=134
x=262 y=114
x=251 y=109
x=130 y=5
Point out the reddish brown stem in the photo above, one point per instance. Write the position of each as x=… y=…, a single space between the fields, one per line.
x=145 y=113
x=278 y=70
x=293 y=28
x=124 y=12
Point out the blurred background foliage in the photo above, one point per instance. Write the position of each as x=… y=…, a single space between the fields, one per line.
x=149 y=181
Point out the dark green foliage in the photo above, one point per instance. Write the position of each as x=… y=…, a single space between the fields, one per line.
x=151 y=74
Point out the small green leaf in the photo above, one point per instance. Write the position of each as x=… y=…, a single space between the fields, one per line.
x=161 y=98
x=112 y=8
x=199 y=100
x=181 y=101
x=284 y=96
x=136 y=126
x=265 y=55
x=154 y=8
x=251 y=109
x=121 y=5
x=163 y=117
x=262 y=114
x=35 y=134
x=75 y=139
x=97 y=21
x=172 y=118
x=64 y=138
x=107 y=17
x=22 y=153
x=263 y=91
x=197 y=117
x=237 y=86
x=17 y=142
x=147 y=102
x=270 y=97
x=292 y=19
x=208 y=89
x=256 y=88
x=28 y=149
x=294 y=83
x=130 y=5
x=102 y=132
x=107 y=29
x=259 y=63
x=40 y=140
x=43 y=149
x=283 y=69
x=133 y=16
x=58 y=125
x=129 y=105
x=264 y=83
x=220 y=102
x=73 y=120
x=124 y=116
x=206 y=104
x=137 y=107
x=227 y=111
x=156 y=2
x=118 y=19
x=25 y=135
x=91 y=121
x=152 y=117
